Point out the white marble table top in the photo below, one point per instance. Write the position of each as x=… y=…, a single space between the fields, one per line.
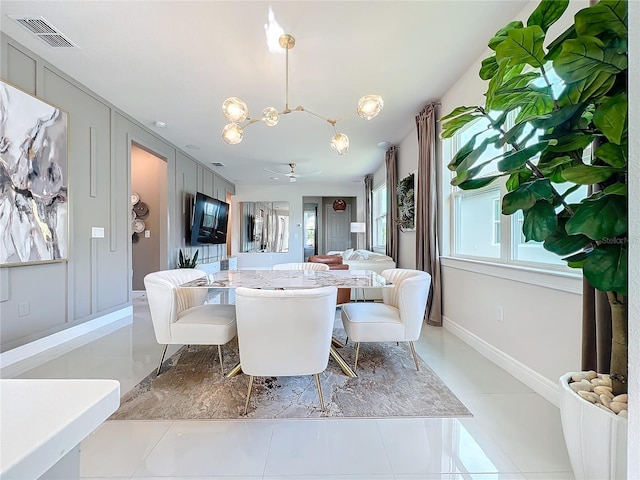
x=290 y=279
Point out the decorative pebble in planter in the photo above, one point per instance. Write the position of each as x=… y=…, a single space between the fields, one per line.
x=594 y=423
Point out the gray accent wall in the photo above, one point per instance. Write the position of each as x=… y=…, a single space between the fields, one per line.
x=97 y=278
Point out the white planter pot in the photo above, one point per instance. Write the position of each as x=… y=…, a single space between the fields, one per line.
x=596 y=439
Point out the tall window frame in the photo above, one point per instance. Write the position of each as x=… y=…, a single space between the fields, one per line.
x=379 y=211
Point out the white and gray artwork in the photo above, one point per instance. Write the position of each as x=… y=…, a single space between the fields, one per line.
x=33 y=179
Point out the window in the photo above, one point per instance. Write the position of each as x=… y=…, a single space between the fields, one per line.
x=479 y=229
x=379 y=207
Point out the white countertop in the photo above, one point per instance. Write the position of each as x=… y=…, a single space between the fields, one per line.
x=42 y=420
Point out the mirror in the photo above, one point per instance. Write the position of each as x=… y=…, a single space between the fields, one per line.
x=264 y=227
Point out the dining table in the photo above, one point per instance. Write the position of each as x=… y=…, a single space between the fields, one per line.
x=292 y=279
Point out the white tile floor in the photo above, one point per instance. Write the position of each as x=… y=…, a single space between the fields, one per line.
x=514 y=433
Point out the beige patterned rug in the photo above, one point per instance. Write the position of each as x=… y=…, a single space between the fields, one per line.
x=190 y=386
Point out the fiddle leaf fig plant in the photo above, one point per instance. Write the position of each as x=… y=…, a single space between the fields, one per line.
x=548 y=102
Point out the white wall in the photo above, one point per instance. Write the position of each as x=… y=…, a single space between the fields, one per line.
x=292 y=193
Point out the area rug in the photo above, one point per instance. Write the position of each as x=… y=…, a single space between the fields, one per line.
x=191 y=386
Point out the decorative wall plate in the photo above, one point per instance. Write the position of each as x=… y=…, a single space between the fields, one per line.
x=138 y=226
x=135 y=198
x=133 y=215
x=141 y=209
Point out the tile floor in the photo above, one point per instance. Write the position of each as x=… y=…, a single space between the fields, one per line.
x=514 y=433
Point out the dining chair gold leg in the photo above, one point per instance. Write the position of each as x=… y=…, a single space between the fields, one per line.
x=355 y=364
x=164 y=352
x=220 y=357
x=320 y=392
x=415 y=356
x=246 y=404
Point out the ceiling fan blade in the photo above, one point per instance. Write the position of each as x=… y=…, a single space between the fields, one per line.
x=317 y=172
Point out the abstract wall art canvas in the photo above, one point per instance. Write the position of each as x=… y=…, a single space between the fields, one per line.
x=33 y=179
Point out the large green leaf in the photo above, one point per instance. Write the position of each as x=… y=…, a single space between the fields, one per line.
x=453 y=125
x=505 y=73
x=589 y=88
x=517 y=178
x=540 y=221
x=463 y=153
x=611 y=117
x=571 y=142
x=557 y=117
x=600 y=218
x=469 y=160
x=606 y=267
x=501 y=34
x=522 y=45
x=614 y=155
x=604 y=16
x=586 y=57
x=588 y=174
x=577 y=260
x=547 y=13
x=526 y=195
x=555 y=47
x=552 y=162
x=489 y=67
x=518 y=158
x=562 y=244
x=476 y=183
x=536 y=104
x=456 y=112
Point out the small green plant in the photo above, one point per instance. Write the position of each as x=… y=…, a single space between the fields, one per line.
x=185 y=261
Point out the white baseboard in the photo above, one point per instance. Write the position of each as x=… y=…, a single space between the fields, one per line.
x=115 y=320
x=541 y=385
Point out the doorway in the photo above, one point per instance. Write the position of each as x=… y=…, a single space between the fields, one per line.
x=337 y=232
x=148 y=213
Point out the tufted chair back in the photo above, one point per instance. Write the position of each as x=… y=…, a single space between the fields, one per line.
x=409 y=295
x=166 y=301
x=300 y=266
x=285 y=332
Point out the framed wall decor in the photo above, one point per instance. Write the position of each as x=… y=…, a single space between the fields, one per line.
x=34 y=208
x=406 y=202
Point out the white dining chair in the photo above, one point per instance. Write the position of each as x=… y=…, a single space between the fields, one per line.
x=285 y=332
x=398 y=318
x=300 y=266
x=180 y=316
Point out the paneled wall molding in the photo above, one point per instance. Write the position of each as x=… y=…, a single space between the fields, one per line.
x=563 y=281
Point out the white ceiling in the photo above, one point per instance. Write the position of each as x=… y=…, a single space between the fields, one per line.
x=177 y=61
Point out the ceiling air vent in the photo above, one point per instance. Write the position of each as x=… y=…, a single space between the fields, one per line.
x=218 y=164
x=44 y=30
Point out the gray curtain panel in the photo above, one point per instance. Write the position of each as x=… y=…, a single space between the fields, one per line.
x=368 y=212
x=427 y=252
x=391 y=165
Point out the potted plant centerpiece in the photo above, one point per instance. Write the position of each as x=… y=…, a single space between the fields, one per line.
x=545 y=129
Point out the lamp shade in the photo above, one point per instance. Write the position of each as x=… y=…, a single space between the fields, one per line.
x=358 y=227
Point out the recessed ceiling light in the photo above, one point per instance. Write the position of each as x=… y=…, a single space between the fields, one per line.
x=384 y=144
x=192 y=147
x=159 y=124
x=274 y=178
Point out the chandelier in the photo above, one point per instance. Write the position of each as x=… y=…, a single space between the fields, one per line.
x=237 y=112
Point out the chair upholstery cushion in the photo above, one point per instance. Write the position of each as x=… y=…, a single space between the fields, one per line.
x=205 y=325
x=372 y=322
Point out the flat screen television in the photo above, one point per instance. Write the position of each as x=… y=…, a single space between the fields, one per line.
x=209 y=220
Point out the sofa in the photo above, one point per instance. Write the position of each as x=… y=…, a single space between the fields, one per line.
x=365 y=260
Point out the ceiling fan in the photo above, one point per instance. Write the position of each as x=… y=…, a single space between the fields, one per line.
x=292 y=174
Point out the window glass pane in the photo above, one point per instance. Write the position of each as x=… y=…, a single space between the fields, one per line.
x=475 y=226
x=379 y=208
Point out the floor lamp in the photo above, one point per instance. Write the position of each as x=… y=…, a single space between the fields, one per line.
x=357 y=228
